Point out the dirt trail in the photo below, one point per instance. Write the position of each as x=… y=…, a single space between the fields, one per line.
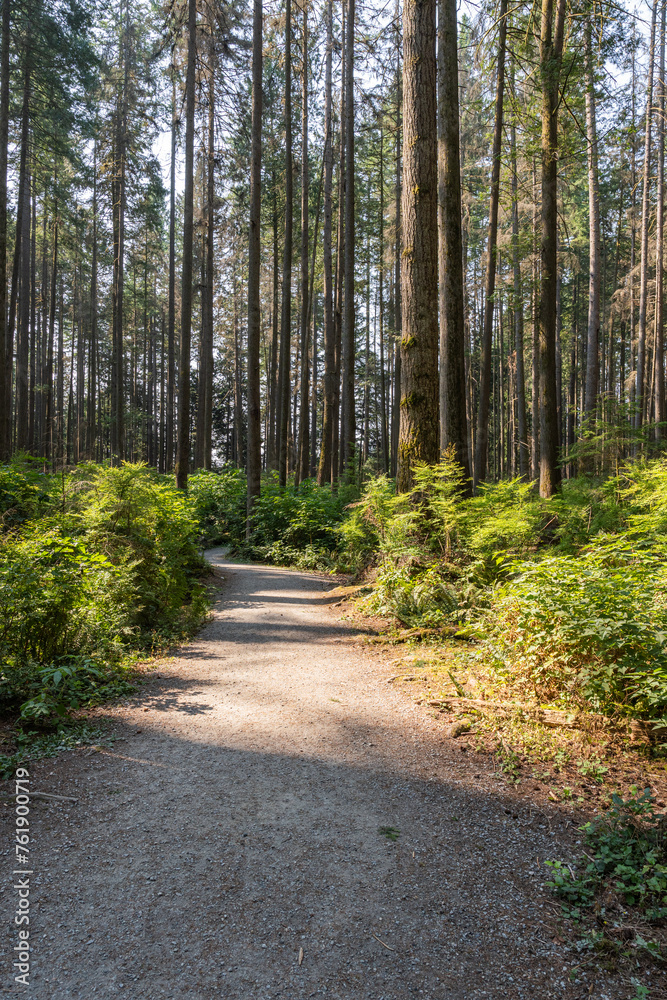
x=237 y=820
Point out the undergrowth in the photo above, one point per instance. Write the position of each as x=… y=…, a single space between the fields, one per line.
x=97 y=566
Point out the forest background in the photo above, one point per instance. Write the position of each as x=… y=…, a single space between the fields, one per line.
x=403 y=317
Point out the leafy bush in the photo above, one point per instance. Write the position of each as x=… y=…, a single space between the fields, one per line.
x=107 y=562
x=590 y=629
x=58 y=596
x=220 y=505
x=139 y=520
x=25 y=492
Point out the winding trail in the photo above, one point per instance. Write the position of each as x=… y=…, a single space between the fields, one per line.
x=237 y=817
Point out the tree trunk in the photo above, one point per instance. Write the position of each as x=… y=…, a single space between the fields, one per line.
x=284 y=381
x=183 y=443
x=23 y=248
x=453 y=419
x=659 y=353
x=324 y=474
x=646 y=214
x=551 y=50
x=419 y=422
x=5 y=353
x=117 y=429
x=272 y=444
x=593 y=329
x=171 y=292
x=304 y=380
x=398 y=240
x=522 y=424
x=482 y=438
x=254 y=466
x=348 y=422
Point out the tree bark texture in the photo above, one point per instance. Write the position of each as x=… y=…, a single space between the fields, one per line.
x=419 y=421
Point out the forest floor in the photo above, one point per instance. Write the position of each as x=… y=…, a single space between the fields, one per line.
x=273 y=819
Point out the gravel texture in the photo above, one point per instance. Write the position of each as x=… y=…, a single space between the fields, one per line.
x=236 y=824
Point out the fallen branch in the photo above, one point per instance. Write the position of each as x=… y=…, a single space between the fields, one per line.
x=550 y=717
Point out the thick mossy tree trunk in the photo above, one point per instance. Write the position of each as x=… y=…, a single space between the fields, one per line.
x=419 y=421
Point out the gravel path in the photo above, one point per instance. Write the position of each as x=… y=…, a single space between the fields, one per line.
x=236 y=825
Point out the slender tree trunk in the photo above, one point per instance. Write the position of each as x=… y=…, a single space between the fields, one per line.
x=348 y=424
x=453 y=418
x=183 y=443
x=205 y=390
x=254 y=466
x=398 y=242
x=92 y=364
x=337 y=451
x=551 y=51
x=522 y=424
x=593 y=334
x=482 y=438
x=284 y=380
x=646 y=213
x=324 y=473
x=384 y=431
x=117 y=428
x=419 y=426
x=272 y=444
x=171 y=291
x=572 y=389
x=659 y=353
x=50 y=429
x=23 y=248
x=5 y=351
x=304 y=387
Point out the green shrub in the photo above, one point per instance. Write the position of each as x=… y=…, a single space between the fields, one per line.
x=57 y=596
x=101 y=561
x=25 y=493
x=140 y=521
x=220 y=505
x=588 y=629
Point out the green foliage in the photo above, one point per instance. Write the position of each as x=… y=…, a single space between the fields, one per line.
x=66 y=685
x=588 y=629
x=299 y=527
x=140 y=521
x=297 y=518
x=58 y=596
x=626 y=853
x=220 y=504
x=98 y=562
x=25 y=491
